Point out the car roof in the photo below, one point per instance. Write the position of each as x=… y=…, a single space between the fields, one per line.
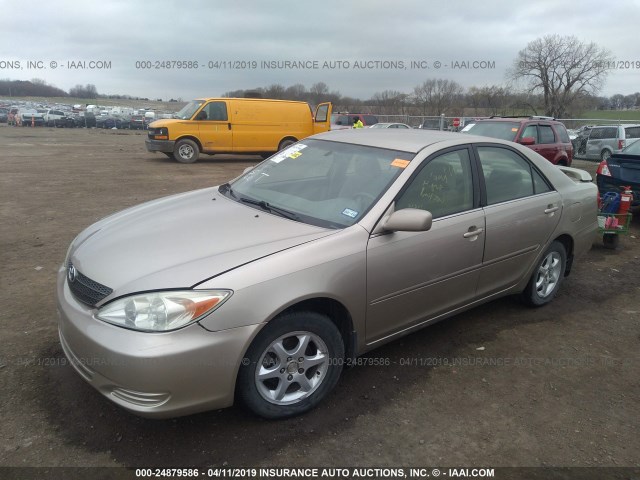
x=404 y=139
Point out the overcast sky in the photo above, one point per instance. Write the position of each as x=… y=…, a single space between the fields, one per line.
x=123 y=32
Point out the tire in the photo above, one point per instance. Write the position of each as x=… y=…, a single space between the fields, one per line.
x=610 y=240
x=186 y=151
x=273 y=382
x=605 y=154
x=287 y=142
x=547 y=276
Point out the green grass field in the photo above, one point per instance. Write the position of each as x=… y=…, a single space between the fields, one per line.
x=613 y=114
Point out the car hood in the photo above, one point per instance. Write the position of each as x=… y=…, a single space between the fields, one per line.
x=181 y=241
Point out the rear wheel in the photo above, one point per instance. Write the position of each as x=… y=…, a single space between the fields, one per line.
x=605 y=154
x=547 y=276
x=186 y=151
x=287 y=142
x=292 y=365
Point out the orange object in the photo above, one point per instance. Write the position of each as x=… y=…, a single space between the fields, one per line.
x=626 y=197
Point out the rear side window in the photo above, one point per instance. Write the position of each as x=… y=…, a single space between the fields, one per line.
x=562 y=133
x=507 y=176
x=608 y=132
x=632 y=132
x=546 y=134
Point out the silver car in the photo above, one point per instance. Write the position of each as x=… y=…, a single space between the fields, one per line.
x=260 y=290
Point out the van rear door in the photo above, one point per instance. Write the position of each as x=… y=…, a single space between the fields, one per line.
x=322 y=118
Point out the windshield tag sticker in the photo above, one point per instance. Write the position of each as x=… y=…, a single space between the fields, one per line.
x=287 y=153
x=514 y=129
x=400 y=163
x=350 y=213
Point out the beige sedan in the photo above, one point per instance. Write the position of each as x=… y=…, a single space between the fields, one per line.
x=259 y=291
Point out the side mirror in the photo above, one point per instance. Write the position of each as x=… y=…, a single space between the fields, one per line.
x=527 y=141
x=248 y=169
x=409 y=220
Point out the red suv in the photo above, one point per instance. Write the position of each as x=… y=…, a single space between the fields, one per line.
x=544 y=135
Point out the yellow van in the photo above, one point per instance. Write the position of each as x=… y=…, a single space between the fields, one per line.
x=235 y=125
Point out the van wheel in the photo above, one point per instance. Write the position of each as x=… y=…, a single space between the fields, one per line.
x=287 y=142
x=186 y=151
x=291 y=366
x=547 y=276
x=605 y=154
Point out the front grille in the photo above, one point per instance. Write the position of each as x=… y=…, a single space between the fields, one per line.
x=85 y=289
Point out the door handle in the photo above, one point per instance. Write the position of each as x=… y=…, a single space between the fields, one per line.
x=473 y=233
x=229 y=125
x=551 y=209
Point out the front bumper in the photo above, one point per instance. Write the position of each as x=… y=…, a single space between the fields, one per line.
x=152 y=374
x=159 y=145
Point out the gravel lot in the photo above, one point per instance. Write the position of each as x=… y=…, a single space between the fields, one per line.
x=557 y=386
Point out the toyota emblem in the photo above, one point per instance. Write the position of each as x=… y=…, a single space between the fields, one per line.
x=72 y=274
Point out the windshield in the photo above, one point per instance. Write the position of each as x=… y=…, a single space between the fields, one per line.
x=329 y=184
x=633 y=149
x=502 y=130
x=188 y=110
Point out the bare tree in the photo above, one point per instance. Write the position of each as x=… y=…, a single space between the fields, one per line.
x=491 y=99
x=390 y=101
x=562 y=69
x=436 y=96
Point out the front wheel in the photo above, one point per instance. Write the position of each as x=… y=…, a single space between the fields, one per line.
x=547 y=276
x=291 y=366
x=186 y=151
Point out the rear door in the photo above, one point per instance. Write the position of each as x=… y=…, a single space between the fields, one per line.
x=521 y=211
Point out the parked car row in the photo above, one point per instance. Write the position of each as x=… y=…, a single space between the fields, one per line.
x=60 y=119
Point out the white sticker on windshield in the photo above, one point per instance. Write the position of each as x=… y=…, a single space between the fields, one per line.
x=292 y=152
x=350 y=213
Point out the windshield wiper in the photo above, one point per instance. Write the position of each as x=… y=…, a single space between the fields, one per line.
x=226 y=188
x=270 y=208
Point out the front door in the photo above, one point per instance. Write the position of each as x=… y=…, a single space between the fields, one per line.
x=416 y=276
x=214 y=124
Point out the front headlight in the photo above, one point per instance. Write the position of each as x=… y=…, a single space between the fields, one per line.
x=162 y=311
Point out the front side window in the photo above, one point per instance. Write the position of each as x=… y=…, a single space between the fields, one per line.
x=215 y=112
x=507 y=176
x=329 y=184
x=444 y=186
